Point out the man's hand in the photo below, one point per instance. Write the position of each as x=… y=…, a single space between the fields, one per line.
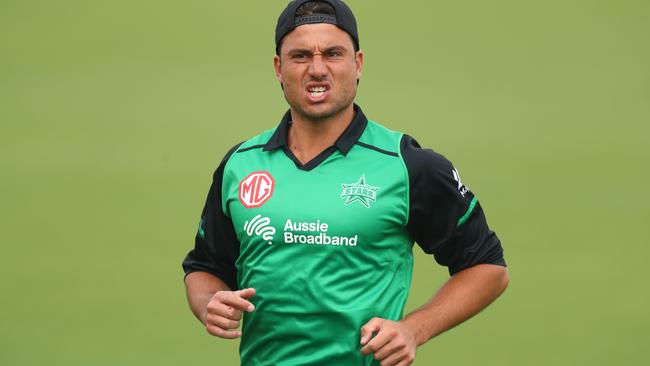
x=393 y=345
x=224 y=311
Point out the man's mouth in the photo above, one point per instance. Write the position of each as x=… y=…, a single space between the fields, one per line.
x=317 y=92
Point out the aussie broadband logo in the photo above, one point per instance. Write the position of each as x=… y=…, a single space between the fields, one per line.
x=296 y=232
x=359 y=192
x=256 y=189
x=259 y=225
x=314 y=233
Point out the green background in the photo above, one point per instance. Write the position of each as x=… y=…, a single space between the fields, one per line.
x=113 y=116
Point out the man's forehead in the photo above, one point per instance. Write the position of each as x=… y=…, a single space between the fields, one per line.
x=318 y=35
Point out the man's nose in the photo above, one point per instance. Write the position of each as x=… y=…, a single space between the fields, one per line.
x=318 y=68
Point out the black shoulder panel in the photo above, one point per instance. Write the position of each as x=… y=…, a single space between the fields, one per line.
x=445 y=218
x=216 y=247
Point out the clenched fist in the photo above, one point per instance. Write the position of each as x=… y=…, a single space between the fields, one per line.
x=394 y=343
x=224 y=312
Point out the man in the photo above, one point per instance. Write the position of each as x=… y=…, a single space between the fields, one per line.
x=308 y=228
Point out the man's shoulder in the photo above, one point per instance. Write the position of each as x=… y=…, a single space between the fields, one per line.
x=254 y=142
x=419 y=158
x=380 y=128
x=257 y=141
x=382 y=137
x=402 y=143
x=427 y=168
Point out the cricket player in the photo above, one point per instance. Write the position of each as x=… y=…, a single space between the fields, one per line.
x=307 y=232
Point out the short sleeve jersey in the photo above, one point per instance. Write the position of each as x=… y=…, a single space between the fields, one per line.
x=328 y=244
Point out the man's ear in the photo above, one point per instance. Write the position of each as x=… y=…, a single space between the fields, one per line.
x=276 y=66
x=358 y=59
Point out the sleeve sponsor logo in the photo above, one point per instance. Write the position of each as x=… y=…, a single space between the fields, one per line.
x=461 y=187
x=256 y=189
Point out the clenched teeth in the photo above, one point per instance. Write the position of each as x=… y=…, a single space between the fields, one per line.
x=317 y=91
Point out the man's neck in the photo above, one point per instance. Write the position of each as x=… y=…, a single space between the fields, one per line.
x=308 y=138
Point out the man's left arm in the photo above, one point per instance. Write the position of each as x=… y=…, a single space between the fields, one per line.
x=447 y=221
x=464 y=295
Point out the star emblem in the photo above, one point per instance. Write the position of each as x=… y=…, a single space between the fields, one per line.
x=359 y=192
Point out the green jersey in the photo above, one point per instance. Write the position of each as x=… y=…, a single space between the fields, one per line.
x=328 y=244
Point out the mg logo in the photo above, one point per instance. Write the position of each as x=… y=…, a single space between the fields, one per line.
x=256 y=189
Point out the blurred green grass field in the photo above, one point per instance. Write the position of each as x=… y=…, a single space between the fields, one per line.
x=113 y=116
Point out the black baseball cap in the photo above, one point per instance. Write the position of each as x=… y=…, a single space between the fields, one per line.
x=343 y=18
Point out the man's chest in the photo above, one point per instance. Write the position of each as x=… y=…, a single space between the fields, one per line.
x=347 y=206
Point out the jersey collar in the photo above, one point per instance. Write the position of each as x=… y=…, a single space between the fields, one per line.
x=344 y=143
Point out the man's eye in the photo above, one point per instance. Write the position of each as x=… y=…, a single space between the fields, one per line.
x=335 y=54
x=299 y=56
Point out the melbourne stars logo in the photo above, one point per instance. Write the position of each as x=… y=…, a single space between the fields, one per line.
x=359 y=192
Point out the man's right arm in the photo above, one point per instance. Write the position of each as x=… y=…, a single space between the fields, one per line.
x=216 y=305
x=200 y=287
x=210 y=272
